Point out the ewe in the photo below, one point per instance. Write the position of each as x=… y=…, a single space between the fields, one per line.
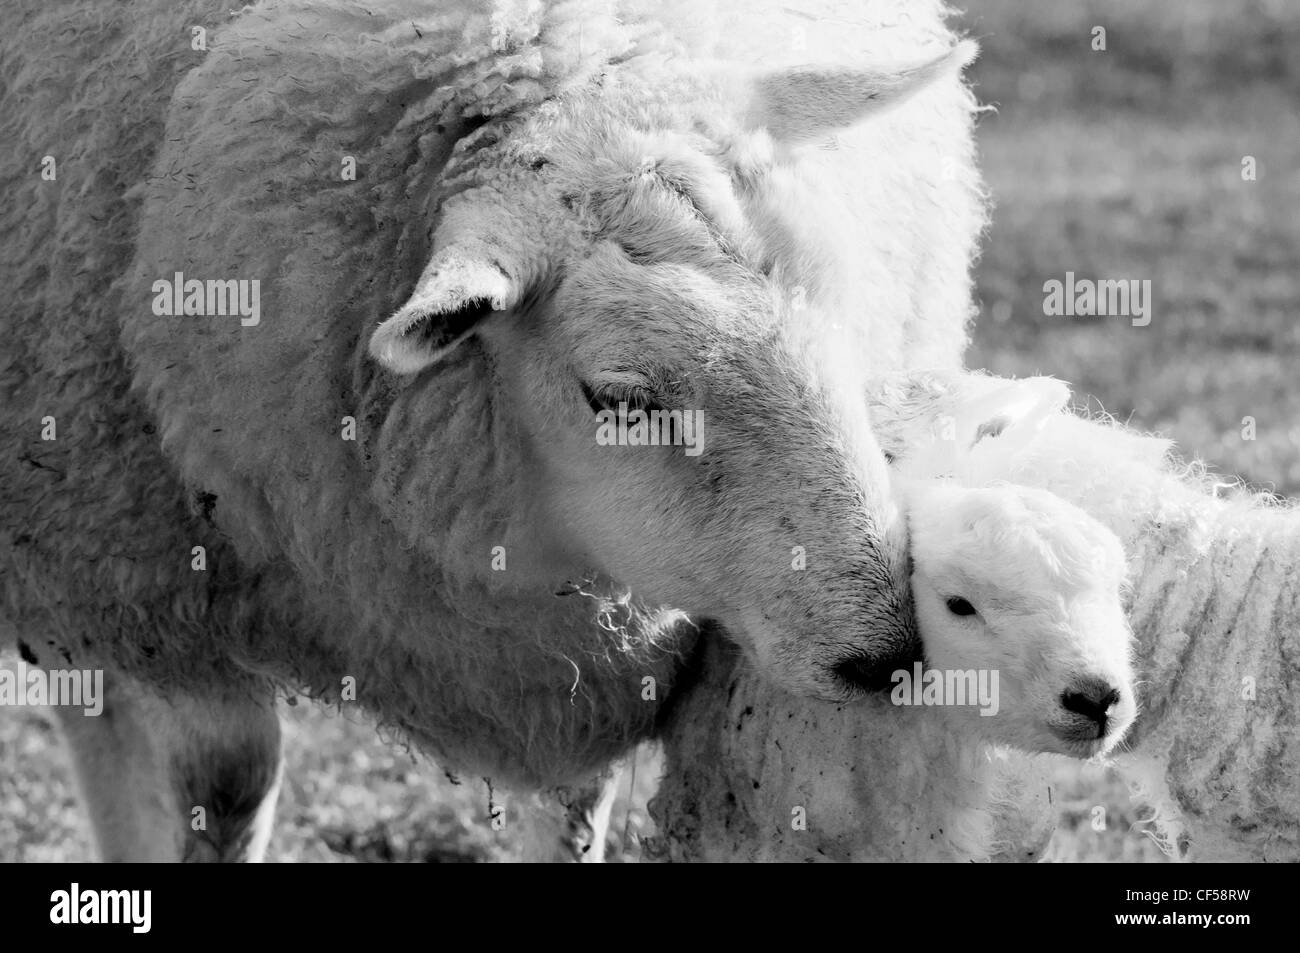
x=469 y=225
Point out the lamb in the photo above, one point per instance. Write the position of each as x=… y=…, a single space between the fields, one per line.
x=1017 y=582
x=467 y=228
x=1214 y=748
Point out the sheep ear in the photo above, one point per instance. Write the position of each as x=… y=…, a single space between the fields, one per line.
x=1016 y=408
x=999 y=427
x=488 y=250
x=459 y=288
x=993 y=420
x=803 y=104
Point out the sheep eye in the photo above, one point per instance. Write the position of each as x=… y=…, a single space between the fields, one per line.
x=607 y=398
x=596 y=402
x=959 y=606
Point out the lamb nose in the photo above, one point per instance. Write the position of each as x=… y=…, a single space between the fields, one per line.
x=1091 y=698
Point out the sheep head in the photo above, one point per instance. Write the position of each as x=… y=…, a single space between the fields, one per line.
x=612 y=257
x=1007 y=578
x=1016 y=581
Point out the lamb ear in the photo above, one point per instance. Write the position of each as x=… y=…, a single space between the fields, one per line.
x=991 y=421
x=997 y=428
x=1012 y=410
x=460 y=287
x=807 y=103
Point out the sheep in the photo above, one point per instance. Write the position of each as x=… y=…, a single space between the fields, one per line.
x=1214 y=748
x=317 y=348
x=1049 y=576
x=1014 y=583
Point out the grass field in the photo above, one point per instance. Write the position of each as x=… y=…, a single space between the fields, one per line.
x=1117 y=164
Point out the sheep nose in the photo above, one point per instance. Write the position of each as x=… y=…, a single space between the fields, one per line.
x=1092 y=698
x=875 y=673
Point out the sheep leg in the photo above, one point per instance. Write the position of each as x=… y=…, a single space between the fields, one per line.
x=586 y=817
x=597 y=808
x=182 y=779
x=570 y=825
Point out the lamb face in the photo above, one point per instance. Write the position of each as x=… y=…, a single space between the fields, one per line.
x=1015 y=580
x=624 y=256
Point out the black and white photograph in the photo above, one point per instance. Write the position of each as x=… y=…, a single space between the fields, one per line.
x=650 y=431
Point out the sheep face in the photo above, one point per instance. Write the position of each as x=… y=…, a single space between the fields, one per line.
x=777 y=522
x=1018 y=581
x=619 y=256
x=769 y=509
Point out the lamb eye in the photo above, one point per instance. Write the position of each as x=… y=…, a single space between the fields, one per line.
x=959 y=606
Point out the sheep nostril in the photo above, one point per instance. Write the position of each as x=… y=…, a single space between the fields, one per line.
x=1091 y=698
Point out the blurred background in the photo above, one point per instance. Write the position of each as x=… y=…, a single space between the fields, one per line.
x=1123 y=163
